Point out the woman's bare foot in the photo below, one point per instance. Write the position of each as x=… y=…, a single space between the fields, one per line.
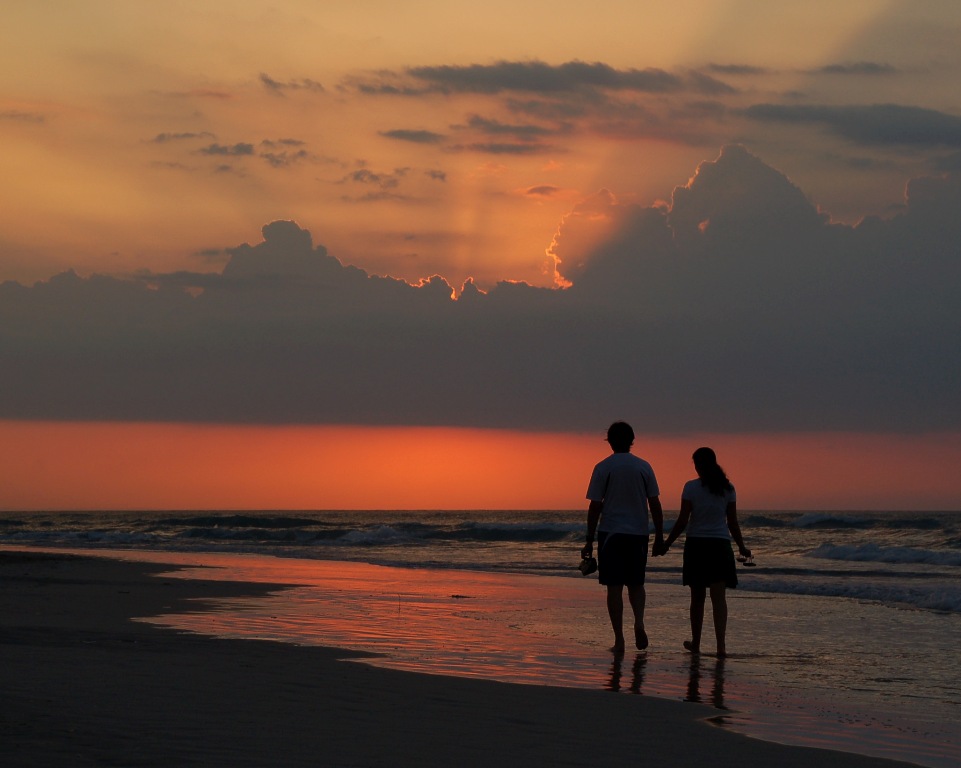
x=640 y=638
x=617 y=649
x=689 y=646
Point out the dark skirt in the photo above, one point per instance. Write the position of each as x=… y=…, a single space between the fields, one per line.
x=708 y=561
x=621 y=558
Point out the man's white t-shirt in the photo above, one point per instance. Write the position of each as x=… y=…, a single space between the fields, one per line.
x=708 y=511
x=624 y=483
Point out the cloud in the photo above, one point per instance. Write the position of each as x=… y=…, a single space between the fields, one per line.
x=539 y=77
x=278 y=153
x=234 y=150
x=512 y=103
x=558 y=100
x=376 y=185
x=737 y=306
x=285 y=159
x=949 y=164
x=282 y=153
x=503 y=148
x=196 y=93
x=701 y=83
x=383 y=180
x=738 y=69
x=18 y=116
x=415 y=136
x=534 y=77
x=165 y=138
x=211 y=254
x=542 y=190
x=280 y=88
x=489 y=127
x=858 y=68
x=499 y=138
x=877 y=124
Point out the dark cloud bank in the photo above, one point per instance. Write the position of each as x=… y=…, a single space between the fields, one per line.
x=740 y=307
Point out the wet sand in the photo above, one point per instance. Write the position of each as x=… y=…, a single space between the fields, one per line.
x=84 y=685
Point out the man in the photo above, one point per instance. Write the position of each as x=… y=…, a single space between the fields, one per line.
x=622 y=488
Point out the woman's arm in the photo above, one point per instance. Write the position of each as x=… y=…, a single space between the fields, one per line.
x=734 y=527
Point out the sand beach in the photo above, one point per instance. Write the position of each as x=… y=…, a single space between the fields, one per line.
x=83 y=685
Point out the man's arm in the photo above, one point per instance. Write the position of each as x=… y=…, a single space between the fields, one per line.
x=657 y=517
x=593 y=515
x=680 y=524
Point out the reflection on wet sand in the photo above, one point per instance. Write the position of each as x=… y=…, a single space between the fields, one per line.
x=699 y=669
x=614 y=683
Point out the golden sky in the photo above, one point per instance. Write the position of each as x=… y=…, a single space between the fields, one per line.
x=138 y=136
x=542 y=144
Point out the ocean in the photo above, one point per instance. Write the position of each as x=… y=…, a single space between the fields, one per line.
x=845 y=634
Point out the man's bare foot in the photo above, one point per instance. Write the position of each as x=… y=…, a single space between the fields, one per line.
x=640 y=638
x=721 y=653
x=617 y=649
x=689 y=646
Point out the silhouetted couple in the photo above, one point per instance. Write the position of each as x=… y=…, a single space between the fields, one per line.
x=623 y=489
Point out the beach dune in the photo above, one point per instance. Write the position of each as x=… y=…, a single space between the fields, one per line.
x=83 y=685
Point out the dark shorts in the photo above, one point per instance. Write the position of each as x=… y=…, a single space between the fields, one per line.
x=621 y=558
x=707 y=562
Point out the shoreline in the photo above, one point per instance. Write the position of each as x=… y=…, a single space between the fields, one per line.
x=84 y=684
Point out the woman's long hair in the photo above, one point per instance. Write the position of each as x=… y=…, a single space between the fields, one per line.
x=711 y=474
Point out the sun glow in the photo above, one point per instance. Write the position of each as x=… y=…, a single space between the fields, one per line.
x=84 y=466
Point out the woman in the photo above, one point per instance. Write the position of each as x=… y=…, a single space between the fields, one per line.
x=709 y=512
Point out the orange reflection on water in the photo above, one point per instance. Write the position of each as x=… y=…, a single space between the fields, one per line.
x=468 y=624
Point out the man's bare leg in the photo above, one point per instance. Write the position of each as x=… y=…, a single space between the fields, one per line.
x=638 y=597
x=615 y=609
x=719 y=608
x=698 y=594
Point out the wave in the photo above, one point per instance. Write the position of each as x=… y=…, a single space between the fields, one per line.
x=235 y=521
x=519 y=532
x=762 y=521
x=833 y=520
x=934 y=597
x=855 y=521
x=382 y=534
x=193 y=531
x=873 y=553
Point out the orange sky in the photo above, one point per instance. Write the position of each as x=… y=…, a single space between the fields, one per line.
x=418 y=139
x=162 y=466
x=87 y=90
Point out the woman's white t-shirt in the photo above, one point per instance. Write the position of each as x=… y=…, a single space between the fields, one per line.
x=708 y=511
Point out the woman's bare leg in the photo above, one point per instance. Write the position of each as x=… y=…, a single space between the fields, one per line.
x=698 y=594
x=719 y=608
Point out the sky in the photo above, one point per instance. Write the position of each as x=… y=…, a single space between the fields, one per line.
x=421 y=254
